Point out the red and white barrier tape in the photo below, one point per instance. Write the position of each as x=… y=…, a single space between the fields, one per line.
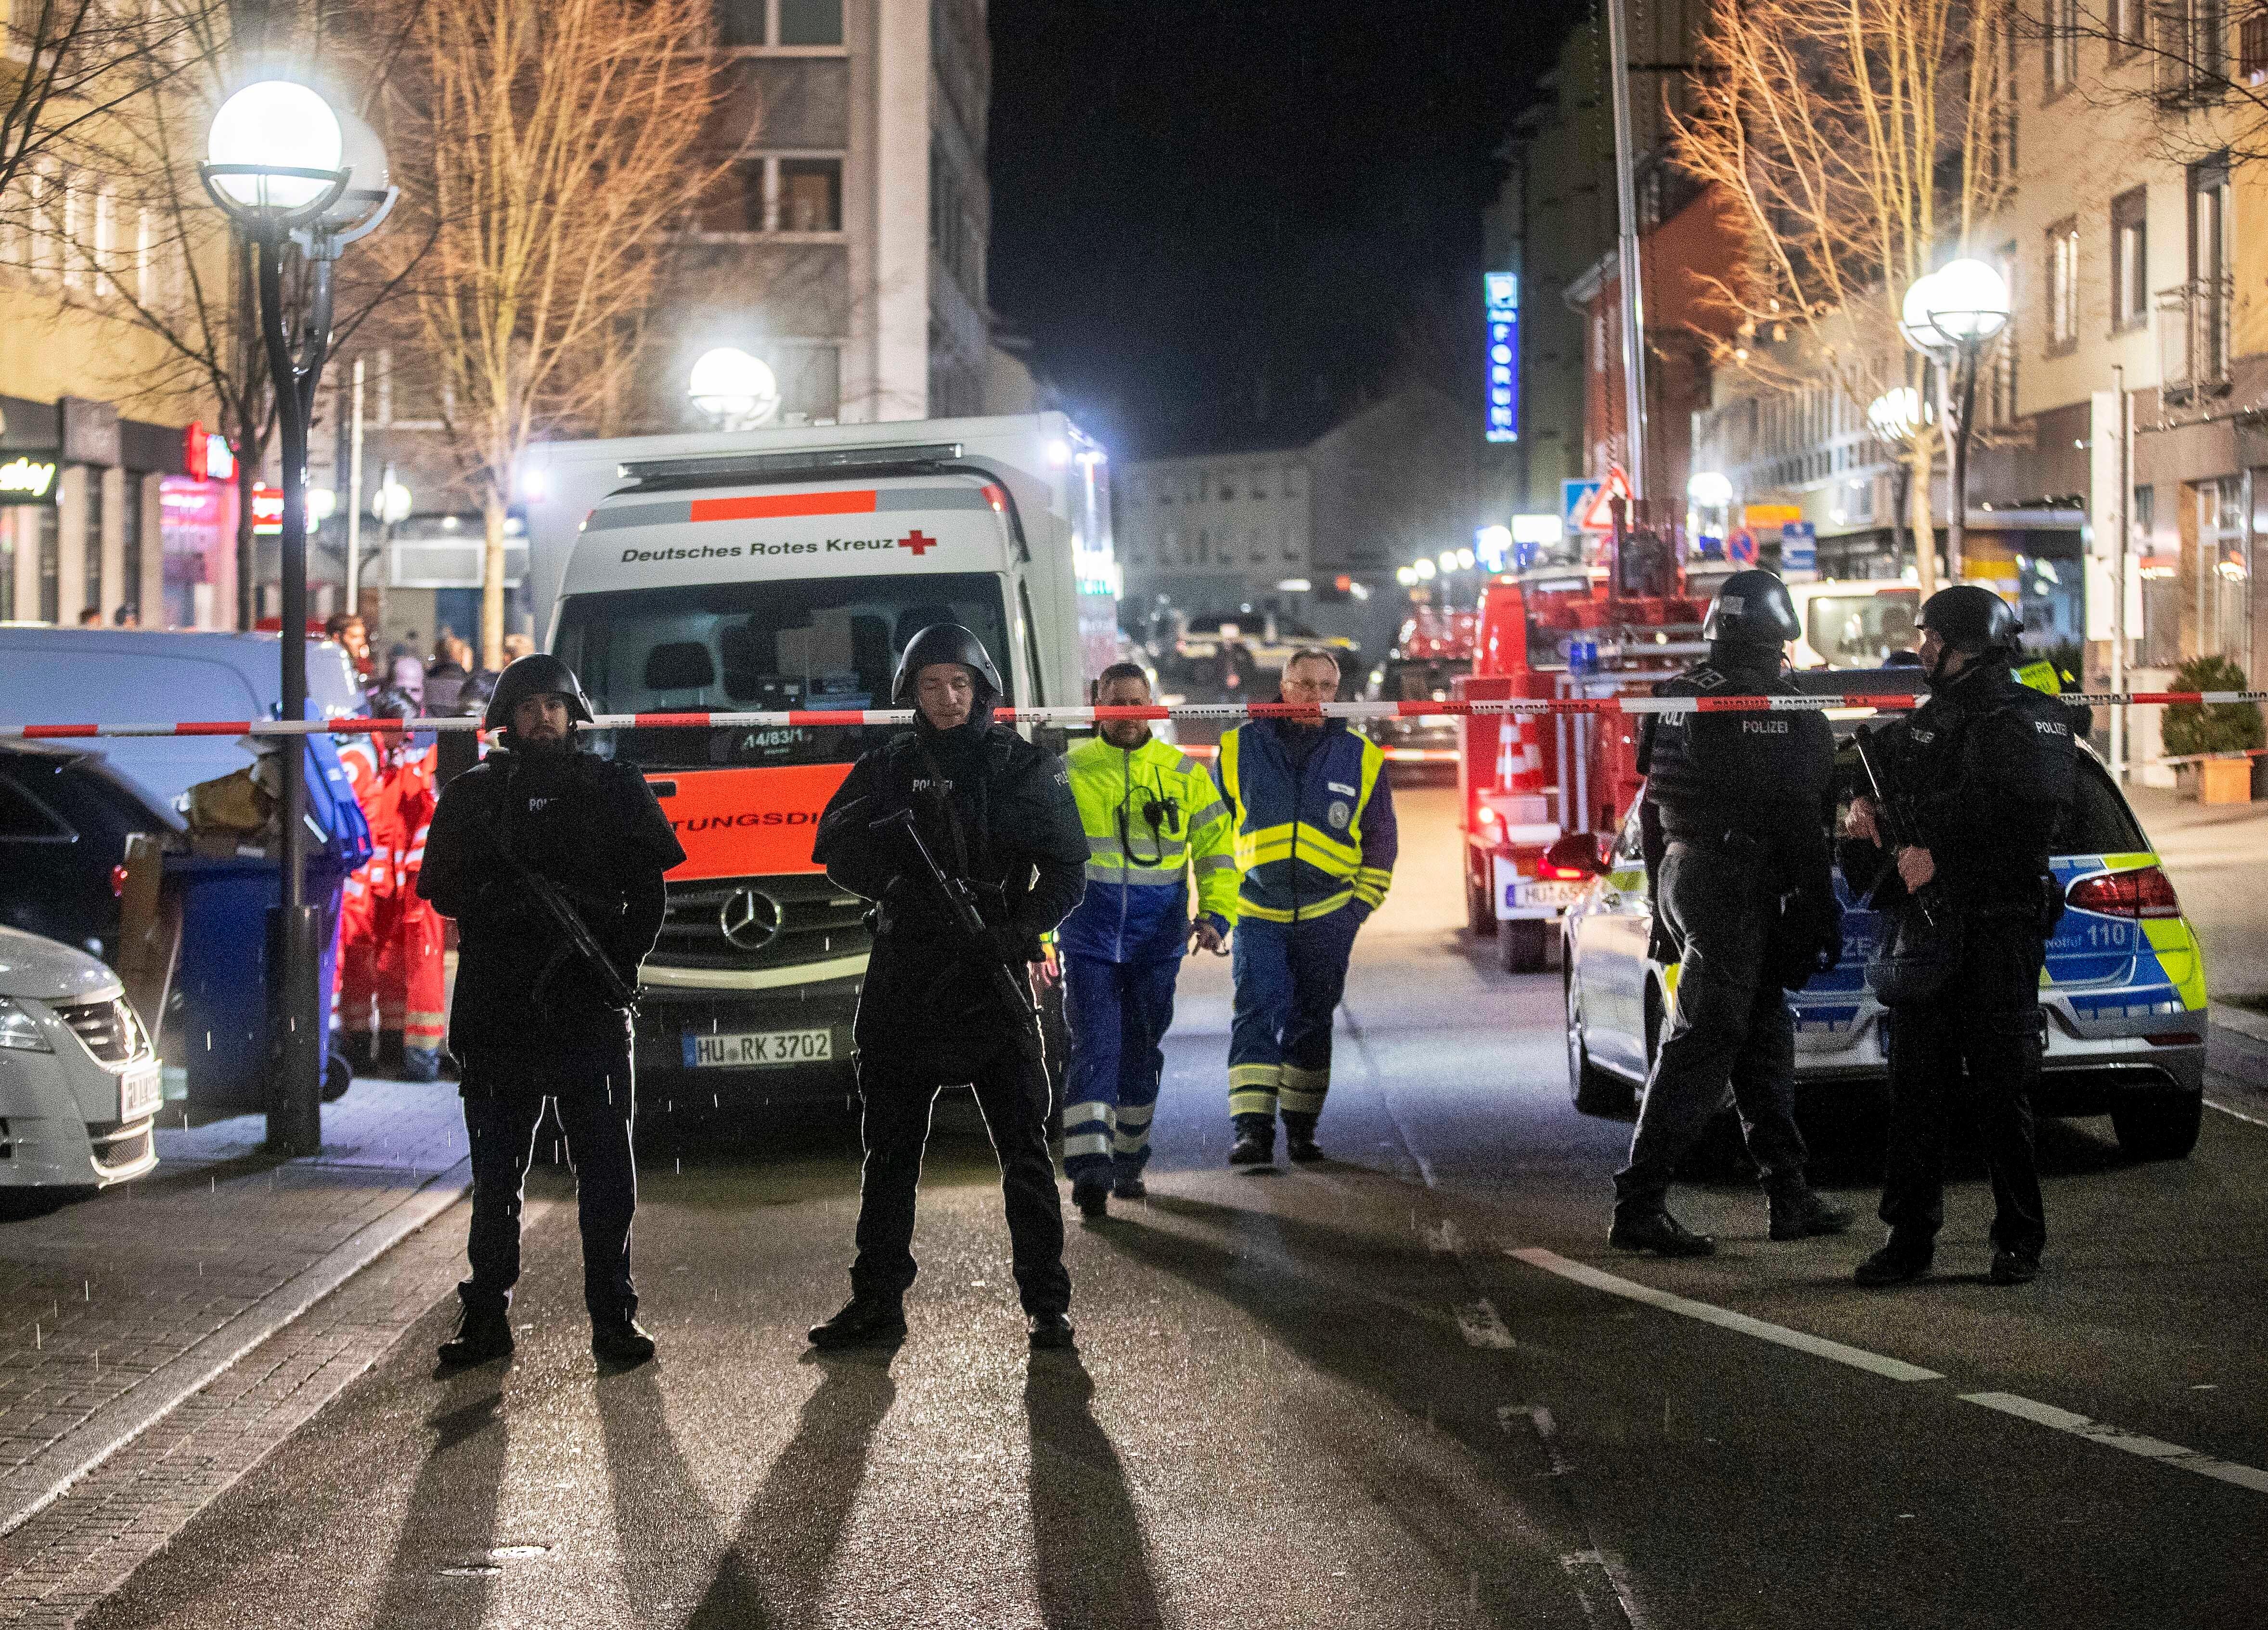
x=1217 y=713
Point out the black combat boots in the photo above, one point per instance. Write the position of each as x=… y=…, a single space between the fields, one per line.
x=1903 y=1257
x=1799 y=1212
x=1254 y=1145
x=867 y=1321
x=482 y=1334
x=1092 y=1196
x=1300 y=1139
x=621 y=1341
x=1654 y=1229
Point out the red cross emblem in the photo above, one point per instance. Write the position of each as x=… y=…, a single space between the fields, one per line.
x=918 y=543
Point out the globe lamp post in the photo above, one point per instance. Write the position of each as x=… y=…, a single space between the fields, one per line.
x=736 y=390
x=1950 y=315
x=291 y=171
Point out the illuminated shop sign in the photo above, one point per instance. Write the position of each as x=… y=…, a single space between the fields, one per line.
x=29 y=477
x=1502 y=289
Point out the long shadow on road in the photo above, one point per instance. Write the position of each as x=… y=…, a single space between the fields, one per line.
x=1355 y=1306
x=1090 y=1563
x=441 y=1572
x=773 y=1571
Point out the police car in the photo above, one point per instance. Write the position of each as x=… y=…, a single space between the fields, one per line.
x=2122 y=997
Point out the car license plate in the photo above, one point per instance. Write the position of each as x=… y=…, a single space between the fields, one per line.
x=1558 y=894
x=755 y=1050
x=140 y=1092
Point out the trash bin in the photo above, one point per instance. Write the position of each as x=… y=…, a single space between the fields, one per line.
x=225 y=903
x=223 y=969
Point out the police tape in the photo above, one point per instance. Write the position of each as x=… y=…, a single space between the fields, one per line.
x=1217 y=713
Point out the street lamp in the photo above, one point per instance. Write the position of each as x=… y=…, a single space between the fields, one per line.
x=1897 y=417
x=1950 y=315
x=739 y=391
x=290 y=169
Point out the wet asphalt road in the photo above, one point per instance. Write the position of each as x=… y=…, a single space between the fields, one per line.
x=1321 y=1397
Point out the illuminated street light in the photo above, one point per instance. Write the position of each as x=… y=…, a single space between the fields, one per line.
x=1447 y=560
x=739 y=391
x=1897 y=413
x=389 y=506
x=290 y=171
x=1709 y=489
x=1424 y=568
x=1406 y=576
x=1950 y=315
x=1465 y=558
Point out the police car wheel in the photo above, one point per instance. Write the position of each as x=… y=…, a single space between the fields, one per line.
x=1590 y=1089
x=2163 y=1127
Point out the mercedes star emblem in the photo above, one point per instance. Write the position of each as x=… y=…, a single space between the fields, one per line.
x=749 y=919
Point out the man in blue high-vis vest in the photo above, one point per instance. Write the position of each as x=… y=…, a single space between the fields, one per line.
x=1316 y=842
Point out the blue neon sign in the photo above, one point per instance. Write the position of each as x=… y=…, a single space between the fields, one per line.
x=1502 y=289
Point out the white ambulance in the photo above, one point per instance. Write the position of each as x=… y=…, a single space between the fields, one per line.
x=778 y=570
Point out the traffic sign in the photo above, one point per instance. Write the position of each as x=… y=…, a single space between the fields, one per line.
x=1598 y=515
x=1798 y=550
x=1741 y=548
x=1575 y=501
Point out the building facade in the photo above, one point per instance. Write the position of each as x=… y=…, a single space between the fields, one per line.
x=847 y=249
x=1201 y=534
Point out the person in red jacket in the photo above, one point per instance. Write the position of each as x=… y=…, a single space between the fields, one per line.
x=369 y=762
x=411 y=999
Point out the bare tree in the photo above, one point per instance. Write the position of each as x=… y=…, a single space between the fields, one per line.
x=546 y=149
x=72 y=67
x=170 y=262
x=1859 y=141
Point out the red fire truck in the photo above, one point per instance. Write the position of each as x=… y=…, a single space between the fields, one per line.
x=1574 y=632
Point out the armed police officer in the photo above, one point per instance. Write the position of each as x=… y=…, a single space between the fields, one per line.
x=1736 y=813
x=1155 y=821
x=551 y=860
x=965 y=838
x=1976 y=781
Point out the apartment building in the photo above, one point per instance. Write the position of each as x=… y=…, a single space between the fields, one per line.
x=1214 y=533
x=98 y=509
x=847 y=250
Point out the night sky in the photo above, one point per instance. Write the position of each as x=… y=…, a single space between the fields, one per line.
x=1225 y=223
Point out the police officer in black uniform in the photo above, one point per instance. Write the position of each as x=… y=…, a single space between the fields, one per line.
x=1736 y=813
x=997 y=811
x=1979 y=779
x=531 y=1018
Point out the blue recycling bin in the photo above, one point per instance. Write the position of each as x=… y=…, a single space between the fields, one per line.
x=225 y=905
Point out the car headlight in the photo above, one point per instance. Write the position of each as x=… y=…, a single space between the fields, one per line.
x=19 y=1029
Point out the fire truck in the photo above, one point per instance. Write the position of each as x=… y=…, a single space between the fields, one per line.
x=1587 y=631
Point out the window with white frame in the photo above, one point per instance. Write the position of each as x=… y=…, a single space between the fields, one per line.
x=787 y=24
x=2063 y=285
x=791 y=193
x=2129 y=260
x=2061 y=29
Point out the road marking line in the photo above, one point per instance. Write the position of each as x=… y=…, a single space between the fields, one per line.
x=1602 y=1584
x=2249 y=1120
x=1724 y=1318
x=1481 y=1326
x=2116 y=1437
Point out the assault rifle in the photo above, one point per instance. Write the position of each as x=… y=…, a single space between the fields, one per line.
x=1893 y=820
x=961 y=901
x=580 y=941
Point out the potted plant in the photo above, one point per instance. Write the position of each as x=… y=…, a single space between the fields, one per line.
x=2196 y=728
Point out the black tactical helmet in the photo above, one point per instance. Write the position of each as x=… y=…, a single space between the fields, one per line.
x=1752 y=609
x=945 y=642
x=1971 y=619
x=538 y=674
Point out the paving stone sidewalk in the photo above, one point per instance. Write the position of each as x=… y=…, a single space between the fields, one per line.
x=100 y=1295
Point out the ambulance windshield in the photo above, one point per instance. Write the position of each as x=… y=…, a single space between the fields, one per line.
x=814 y=643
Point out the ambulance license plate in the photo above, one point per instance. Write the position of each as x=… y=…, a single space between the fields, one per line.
x=140 y=1092
x=756 y=1049
x=1560 y=895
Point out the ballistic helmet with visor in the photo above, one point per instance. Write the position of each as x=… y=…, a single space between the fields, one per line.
x=537 y=674
x=945 y=642
x=1971 y=619
x=1752 y=609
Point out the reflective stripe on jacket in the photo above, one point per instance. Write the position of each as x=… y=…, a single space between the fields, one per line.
x=1308 y=840
x=1137 y=905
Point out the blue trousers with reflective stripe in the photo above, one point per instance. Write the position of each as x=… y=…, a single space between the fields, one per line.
x=1119 y=1012
x=1289 y=979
